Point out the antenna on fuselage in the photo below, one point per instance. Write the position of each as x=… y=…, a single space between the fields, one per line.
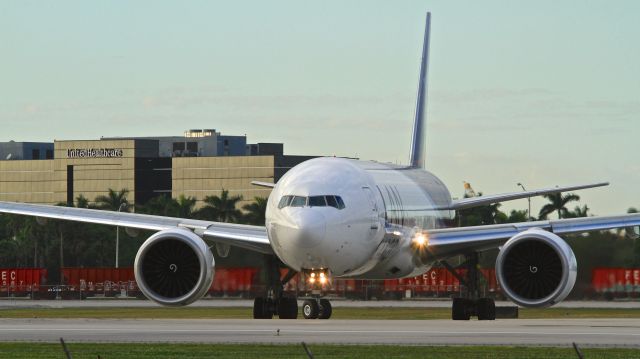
x=417 y=156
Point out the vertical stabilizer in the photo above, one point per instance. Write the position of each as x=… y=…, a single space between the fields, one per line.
x=418 y=142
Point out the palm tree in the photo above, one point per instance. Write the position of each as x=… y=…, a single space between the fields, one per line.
x=491 y=214
x=162 y=205
x=578 y=212
x=185 y=206
x=558 y=203
x=113 y=201
x=82 y=201
x=222 y=209
x=517 y=216
x=256 y=211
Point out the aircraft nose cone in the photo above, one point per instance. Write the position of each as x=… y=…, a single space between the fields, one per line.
x=307 y=228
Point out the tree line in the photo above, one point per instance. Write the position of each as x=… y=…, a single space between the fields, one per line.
x=491 y=214
x=31 y=242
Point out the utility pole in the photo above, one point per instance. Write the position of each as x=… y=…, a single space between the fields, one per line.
x=118 y=234
x=529 y=200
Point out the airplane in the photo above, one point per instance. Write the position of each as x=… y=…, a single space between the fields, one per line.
x=334 y=217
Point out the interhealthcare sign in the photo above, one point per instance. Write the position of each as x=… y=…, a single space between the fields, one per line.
x=94 y=152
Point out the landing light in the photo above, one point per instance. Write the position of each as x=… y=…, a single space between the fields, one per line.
x=421 y=240
x=317 y=277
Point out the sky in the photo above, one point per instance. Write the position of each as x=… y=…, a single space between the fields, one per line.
x=544 y=93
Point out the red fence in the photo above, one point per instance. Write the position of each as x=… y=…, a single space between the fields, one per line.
x=80 y=282
x=615 y=280
x=230 y=281
x=440 y=280
x=99 y=280
x=247 y=281
x=22 y=279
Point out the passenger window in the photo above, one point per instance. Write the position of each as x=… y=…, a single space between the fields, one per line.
x=340 y=202
x=331 y=201
x=317 y=201
x=299 y=201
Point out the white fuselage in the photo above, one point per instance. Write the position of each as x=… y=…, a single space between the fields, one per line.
x=355 y=218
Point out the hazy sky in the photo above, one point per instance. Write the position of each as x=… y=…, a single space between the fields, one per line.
x=544 y=93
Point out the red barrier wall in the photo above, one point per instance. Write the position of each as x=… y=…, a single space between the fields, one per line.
x=22 y=279
x=234 y=281
x=99 y=279
x=237 y=281
x=615 y=280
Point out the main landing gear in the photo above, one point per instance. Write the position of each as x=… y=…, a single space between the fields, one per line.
x=470 y=304
x=275 y=302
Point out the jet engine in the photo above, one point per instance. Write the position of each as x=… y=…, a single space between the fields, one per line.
x=174 y=267
x=536 y=268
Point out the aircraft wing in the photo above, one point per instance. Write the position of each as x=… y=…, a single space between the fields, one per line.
x=239 y=235
x=484 y=200
x=453 y=241
x=263 y=184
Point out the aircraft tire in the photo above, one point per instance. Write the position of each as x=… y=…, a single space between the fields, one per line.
x=261 y=309
x=310 y=309
x=288 y=308
x=325 y=309
x=460 y=309
x=486 y=308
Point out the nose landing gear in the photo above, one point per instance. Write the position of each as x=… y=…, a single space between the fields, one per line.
x=317 y=308
x=286 y=307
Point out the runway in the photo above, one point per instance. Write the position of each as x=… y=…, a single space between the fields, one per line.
x=586 y=332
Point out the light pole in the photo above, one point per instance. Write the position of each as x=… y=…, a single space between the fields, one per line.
x=529 y=200
x=124 y=204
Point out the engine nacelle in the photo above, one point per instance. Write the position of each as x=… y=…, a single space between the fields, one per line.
x=536 y=268
x=174 y=267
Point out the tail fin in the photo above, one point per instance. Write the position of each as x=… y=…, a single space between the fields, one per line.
x=417 y=145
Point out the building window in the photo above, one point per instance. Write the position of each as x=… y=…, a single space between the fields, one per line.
x=49 y=154
x=178 y=149
x=178 y=146
x=35 y=154
x=192 y=147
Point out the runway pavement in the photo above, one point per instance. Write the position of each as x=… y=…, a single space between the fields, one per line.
x=586 y=332
x=213 y=303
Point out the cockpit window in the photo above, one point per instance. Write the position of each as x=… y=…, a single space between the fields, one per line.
x=284 y=201
x=299 y=201
x=340 y=202
x=331 y=201
x=313 y=201
x=317 y=201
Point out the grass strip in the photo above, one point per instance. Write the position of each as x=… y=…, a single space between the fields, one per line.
x=235 y=351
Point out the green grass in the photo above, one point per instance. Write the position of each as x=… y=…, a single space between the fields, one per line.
x=236 y=351
x=338 y=313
